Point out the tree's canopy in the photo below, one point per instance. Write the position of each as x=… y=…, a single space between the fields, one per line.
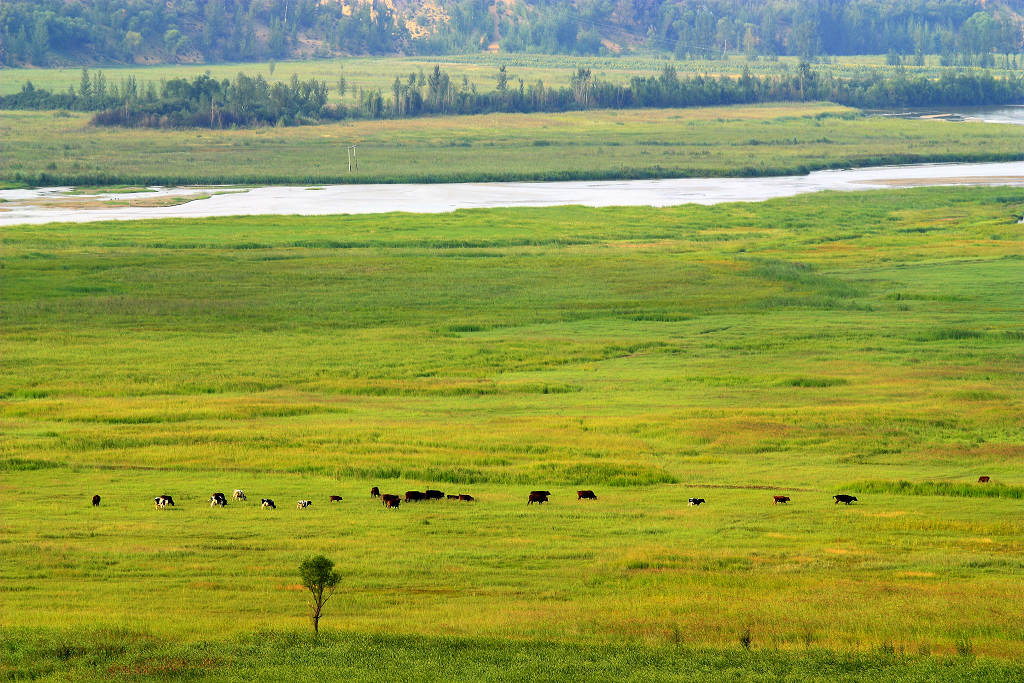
x=46 y=32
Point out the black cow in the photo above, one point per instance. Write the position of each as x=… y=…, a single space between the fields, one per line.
x=537 y=497
x=433 y=494
x=414 y=496
x=586 y=495
x=96 y=501
x=466 y=497
x=843 y=498
x=697 y=501
x=267 y=503
x=335 y=499
x=390 y=500
x=452 y=496
x=375 y=492
x=781 y=499
x=541 y=493
x=984 y=479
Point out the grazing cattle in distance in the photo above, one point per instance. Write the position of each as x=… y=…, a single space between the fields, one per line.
x=414 y=495
x=267 y=503
x=984 y=479
x=466 y=497
x=218 y=499
x=239 y=494
x=335 y=499
x=433 y=494
x=452 y=496
x=843 y=498
x=389 y=500
x=537 y=497
x=163 y=501
x=95 y=501
x=697 y=501
x=375 y=492
x=303 y=504
x=781 y=499
x=541 y=493
x=585 y=495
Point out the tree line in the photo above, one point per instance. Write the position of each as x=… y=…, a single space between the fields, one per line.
x=251 y=101
x=57 y=32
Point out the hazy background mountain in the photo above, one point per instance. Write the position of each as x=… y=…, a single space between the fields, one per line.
x=59 y=32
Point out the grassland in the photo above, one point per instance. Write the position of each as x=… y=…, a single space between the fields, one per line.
x=59 y=148
x=869 y=343
x=478 y=70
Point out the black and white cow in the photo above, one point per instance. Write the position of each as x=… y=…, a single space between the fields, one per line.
x=218 y=500
x=163 y=501
x=303 y=504
x=697 y=501
x=267 y=503
x=239 y=494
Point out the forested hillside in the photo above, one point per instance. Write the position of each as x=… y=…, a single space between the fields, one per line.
x=58 y=32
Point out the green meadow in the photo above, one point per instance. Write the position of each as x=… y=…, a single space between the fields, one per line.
x=58 y=148
x=866 y=343
x=479 y=70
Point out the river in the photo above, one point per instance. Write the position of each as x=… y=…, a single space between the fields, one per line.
x=47 y=205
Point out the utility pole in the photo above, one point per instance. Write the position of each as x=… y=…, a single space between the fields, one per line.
x=352 y=159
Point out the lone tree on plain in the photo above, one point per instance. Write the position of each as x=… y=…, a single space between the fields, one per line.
x=319 y=577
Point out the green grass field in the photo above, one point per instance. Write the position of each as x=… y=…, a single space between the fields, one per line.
x=55 y=148
x=478 y=69
x=868 y=343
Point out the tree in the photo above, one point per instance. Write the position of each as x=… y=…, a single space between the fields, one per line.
x=320 y=578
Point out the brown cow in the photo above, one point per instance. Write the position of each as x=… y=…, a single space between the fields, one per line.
x=96 y=501
x=984 y=479
x=414 y=495
x=541 y=493
x=335 y=499
x=537 y=497
x=585 y=495
x=781 y=499
x=452 y=496
x=466 y=497
x=375 y=492
x=390 y=500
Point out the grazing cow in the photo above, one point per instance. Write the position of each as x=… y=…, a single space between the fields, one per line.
x=541 y=493
x=433 y=494
x=267 y=503
x=843 y=498
x=375 y=492
x=452 y=496
x=781 y=499
x=303 y=504
x=697 y=501
x=218 y=499
x=239 y=494
x=95 y=501
x=163 y=501
x=335 y=499
x=466 y=497
x=984 y=479
x=537 y=497
x=585 y=495
x=390 y=500
x=414 y=495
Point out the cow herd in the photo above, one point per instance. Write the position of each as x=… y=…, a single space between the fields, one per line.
x=391 y=500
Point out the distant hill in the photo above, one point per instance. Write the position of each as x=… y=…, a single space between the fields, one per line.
x=66 y=32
